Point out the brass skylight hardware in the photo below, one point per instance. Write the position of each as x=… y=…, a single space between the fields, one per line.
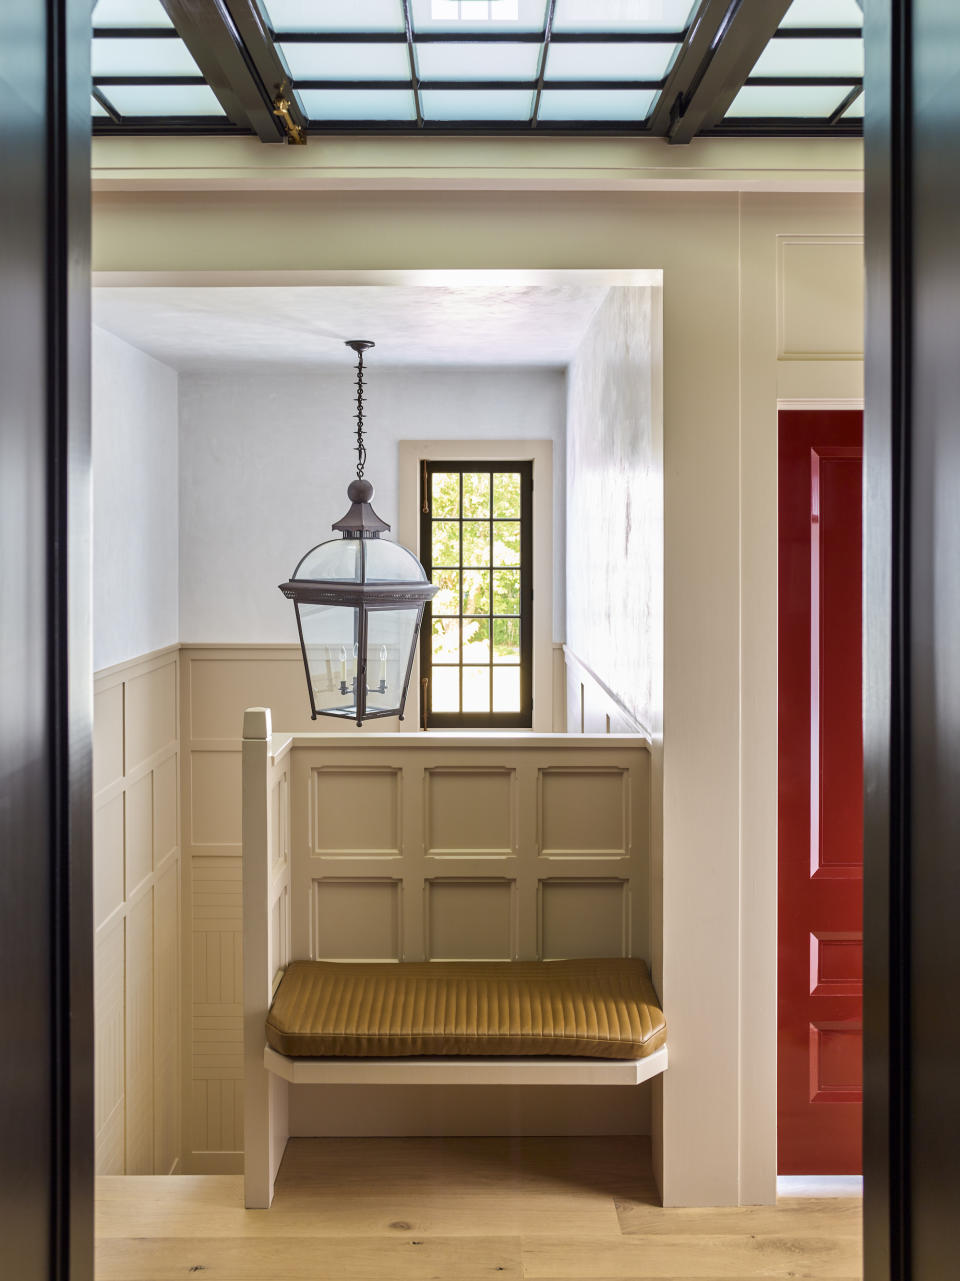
x=295 y=135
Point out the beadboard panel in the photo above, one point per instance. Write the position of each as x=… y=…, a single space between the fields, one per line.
x=216 y=684
x=137 y=916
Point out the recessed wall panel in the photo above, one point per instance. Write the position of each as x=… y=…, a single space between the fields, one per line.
x=107 y=736
x=580 y=917
x=167 y=1049
x=820 y=283
x=139 y=1038
x=471 y=812
x=109 y=1049
x=138 y=826
x=165 y=808
x=470 y=919
x=216 y=799
x=150 y=715
x=584 y=812
x=107 y=858
x=356 y=920
x=357 y=812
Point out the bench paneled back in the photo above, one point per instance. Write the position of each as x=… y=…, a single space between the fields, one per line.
x=429 y=847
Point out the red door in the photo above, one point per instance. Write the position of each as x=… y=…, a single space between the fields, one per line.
x=820 y=794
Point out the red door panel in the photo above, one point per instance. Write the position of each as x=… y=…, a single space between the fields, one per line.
x=820 y=794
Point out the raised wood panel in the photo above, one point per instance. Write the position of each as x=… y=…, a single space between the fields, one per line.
x=139 y=1038
x=109 y=1048
x=137 y=1076
x=215 y=798
x=588 y=917
x=138 y=828
x=357 y=811
x=820 y=286
x=470 y=919
x=470 y=811
x=584 y=812
x=150 y=716
x=357 y=920
x=107 y=736
x=108 y=859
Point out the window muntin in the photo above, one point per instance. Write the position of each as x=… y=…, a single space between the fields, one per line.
x=476 y=652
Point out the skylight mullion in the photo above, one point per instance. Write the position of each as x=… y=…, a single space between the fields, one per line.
x=548 y=30
x=847 y=103
x=819 y=33
x=107 y=105
x=414 y=80
x=136 y=33
x=149 y=80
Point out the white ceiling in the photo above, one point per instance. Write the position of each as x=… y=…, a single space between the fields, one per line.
x=194 y=328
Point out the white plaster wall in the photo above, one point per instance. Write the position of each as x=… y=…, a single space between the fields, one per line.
x=266 y=457
x=135 y=502
x=614 y=556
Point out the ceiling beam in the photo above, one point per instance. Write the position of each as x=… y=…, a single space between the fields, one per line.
x=723 y=42
x=229 y=42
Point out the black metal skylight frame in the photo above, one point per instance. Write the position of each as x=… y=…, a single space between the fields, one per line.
x=241 y=60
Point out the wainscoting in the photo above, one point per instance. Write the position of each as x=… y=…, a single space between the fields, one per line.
x=137 y=916
x=169 y=929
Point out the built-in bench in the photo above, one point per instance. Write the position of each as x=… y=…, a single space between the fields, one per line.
x=438 y=1021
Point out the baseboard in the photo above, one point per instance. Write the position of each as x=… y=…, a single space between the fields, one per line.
x=819 y=1185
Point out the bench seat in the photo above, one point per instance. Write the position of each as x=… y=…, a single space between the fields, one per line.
x=600 y=1008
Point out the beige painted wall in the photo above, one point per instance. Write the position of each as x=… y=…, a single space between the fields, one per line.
x=137 y=916
x=760 y=299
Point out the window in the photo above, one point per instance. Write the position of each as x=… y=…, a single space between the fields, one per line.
x=476 y=544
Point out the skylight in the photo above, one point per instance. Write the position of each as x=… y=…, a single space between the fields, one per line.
x=451 y=66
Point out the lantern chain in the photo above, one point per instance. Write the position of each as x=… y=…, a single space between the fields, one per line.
x=361 y=447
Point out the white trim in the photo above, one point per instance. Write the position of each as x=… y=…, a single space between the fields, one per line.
x=445 y=278
x=851 y=402
x=819 y=1185
x=411 y=455
x=460 y=1070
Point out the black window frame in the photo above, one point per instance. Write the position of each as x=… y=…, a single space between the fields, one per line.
x=479 y=720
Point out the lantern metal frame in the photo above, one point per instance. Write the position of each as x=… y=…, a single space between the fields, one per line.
x=360 y=524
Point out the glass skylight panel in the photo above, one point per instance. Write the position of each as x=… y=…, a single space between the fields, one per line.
x=803 y=57
x=335 y=15
x=628 y=61
x=456 y=16
x=367 y=61
x=622 y=15
x=358 y=104
x=449 y=60
x=141 y=57
x=823 y=13
x=596 y=104
x=130 y=13
x=165 y=100
x=787 y=101
x=477 y=104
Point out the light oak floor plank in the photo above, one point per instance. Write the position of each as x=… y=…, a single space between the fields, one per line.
x=570 y=1209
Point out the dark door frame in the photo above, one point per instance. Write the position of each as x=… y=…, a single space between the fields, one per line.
x=46 y=926
x=911 y=648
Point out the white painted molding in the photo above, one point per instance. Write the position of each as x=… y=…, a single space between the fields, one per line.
x=850 y=402
x=461 y=1070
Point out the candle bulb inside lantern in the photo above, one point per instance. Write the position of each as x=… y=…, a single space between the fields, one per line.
x=343 y=664
x=383 y=663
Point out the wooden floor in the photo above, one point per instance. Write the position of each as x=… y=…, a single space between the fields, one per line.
x=459 y=1210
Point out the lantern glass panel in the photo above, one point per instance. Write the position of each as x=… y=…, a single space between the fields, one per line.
x=330 y=643
x=335 y=561
x=390 y=636
x=391 y=563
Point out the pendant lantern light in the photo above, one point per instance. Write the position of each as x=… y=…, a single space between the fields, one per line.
x=359 y=602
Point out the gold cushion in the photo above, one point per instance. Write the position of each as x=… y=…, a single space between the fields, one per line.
x=604 y=1009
